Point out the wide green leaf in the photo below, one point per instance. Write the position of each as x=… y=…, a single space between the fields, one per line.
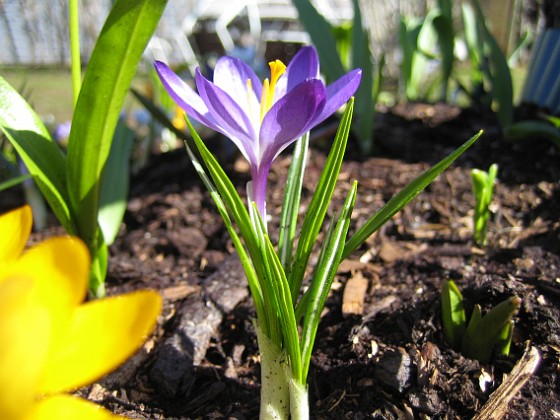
x=443 y=24
x=366 y=95
x=320 y=32
x=474 y=42
x=116 y=177
x=110 y=70
x=43 y=158
x=499 y=72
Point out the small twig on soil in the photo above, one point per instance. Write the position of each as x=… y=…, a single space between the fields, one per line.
x=496 y=407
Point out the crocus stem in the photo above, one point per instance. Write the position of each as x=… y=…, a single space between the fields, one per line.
x=258 y=189
x=275 y=397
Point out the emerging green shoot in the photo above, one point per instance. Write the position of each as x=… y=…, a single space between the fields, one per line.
x=483 y=335
x=453 y=314
x=483 y=189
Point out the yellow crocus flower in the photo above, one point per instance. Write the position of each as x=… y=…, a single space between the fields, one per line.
x=51 y=342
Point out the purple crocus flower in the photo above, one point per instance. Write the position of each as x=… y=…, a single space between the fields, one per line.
x=262 y=120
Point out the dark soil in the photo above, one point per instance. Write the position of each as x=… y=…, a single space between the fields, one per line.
x=387 y=360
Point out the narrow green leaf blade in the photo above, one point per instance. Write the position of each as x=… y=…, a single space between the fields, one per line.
x=13 y=182
x=228 y=193
x=531 y=129
x=290 y=207
x=319 y=203
x=326 y=269
x=252 y=279
x=403 y=197
x=240 y=215
x=286 y=314
x=43 y=158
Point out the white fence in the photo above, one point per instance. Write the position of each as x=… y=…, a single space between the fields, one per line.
x=35 y=32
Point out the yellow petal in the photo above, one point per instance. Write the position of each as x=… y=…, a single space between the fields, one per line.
x=60 y=266
x=15 y=227
x=101 y=336
x=24 y=340
x=66 y=407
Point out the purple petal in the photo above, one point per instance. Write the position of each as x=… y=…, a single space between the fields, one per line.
x=231 y=75
x=185 y=96
x=303 y=66
x=289 y=118
x=338 y=93
x=235 y=123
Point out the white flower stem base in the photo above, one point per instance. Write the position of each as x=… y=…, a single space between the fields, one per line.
x=282 y=397
x=275 y=397
x=299 y=400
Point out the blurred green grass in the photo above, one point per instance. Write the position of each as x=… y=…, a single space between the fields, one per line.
x=49 y=91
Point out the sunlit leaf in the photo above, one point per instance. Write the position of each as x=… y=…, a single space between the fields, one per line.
x=42 y=157
x=110 y=70
x=115 y=184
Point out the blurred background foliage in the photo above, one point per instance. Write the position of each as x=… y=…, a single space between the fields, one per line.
x=36 y=50
x=427 y=39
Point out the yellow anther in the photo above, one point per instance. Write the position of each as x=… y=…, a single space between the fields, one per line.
x=277 y=69
x=264 y=98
